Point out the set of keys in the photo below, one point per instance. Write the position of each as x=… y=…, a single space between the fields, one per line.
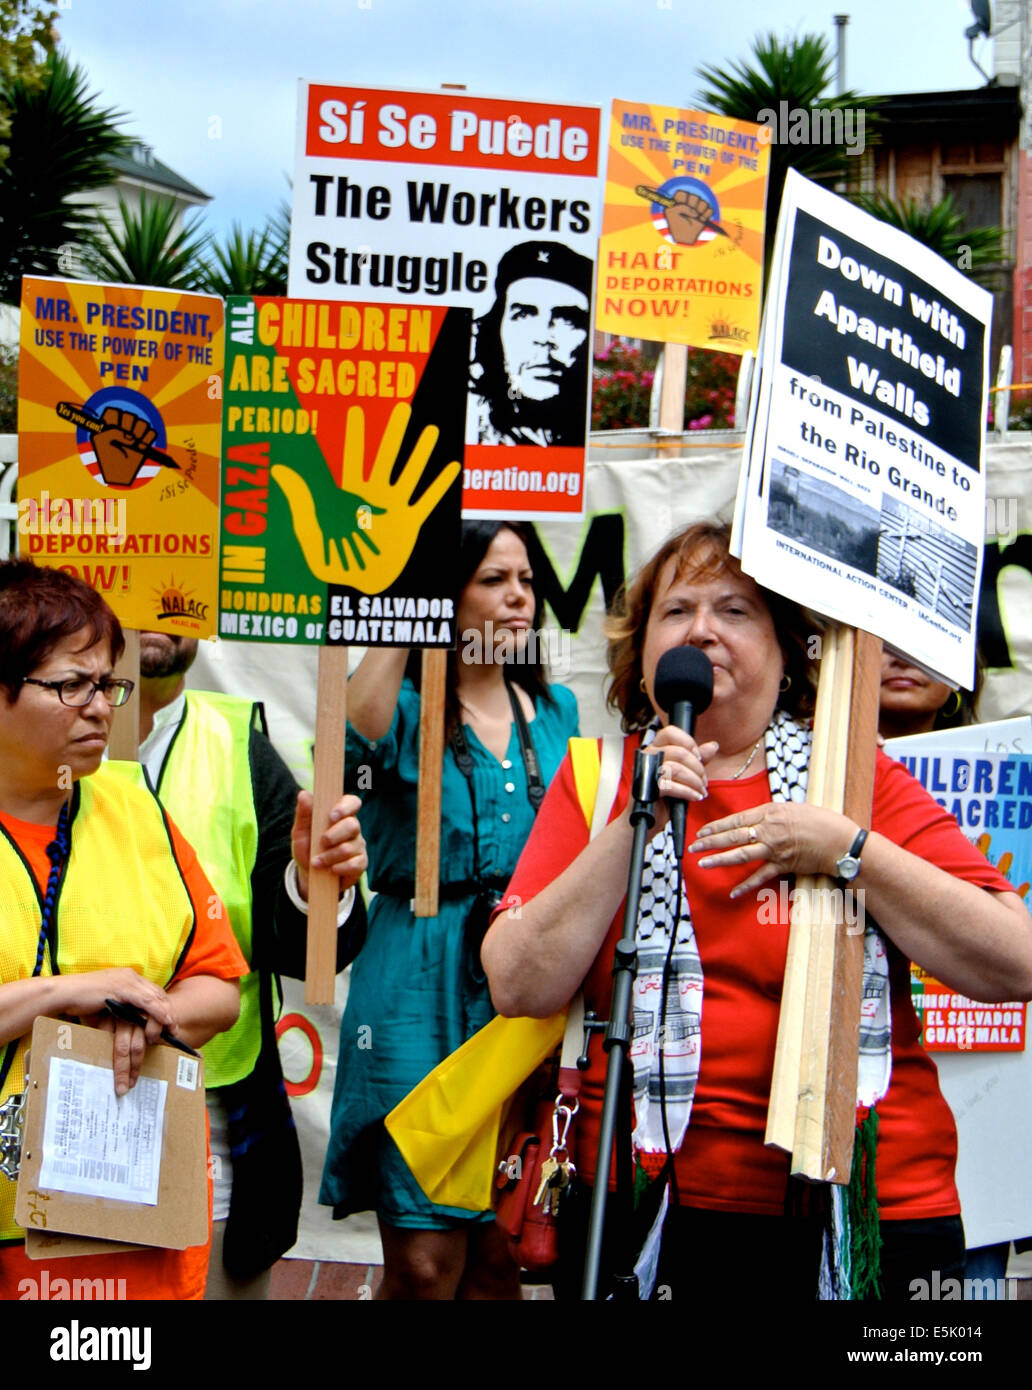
x=556 y=1175
x=557 y=1172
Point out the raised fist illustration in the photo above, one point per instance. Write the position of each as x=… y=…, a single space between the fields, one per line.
x=687 y=217
x=122 y=445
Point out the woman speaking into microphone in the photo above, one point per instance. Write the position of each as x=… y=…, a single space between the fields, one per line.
x=708 y=994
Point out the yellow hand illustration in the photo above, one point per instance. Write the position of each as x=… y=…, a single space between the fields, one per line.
x=1006 y=860
x=377 y=547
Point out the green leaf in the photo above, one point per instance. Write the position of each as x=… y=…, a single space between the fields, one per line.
x=150 y=247
x=249 y=263
x=61 y=145
x=796 y=71
x=975 y=251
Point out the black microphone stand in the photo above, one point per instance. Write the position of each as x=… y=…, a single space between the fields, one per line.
x=616 y=1102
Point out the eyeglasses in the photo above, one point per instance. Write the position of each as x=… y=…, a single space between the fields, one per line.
x=79 y=691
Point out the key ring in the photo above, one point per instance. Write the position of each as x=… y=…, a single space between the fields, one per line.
x=563 y=1109
x=12 y=1128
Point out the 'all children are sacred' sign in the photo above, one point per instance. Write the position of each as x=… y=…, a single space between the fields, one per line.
x=340 y=488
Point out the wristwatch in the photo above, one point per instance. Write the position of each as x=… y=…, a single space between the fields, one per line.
x=848 y=866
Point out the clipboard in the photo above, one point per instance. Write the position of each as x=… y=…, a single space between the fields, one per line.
x=59 y=1223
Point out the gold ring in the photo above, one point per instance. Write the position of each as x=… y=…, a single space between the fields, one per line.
x=753 y=837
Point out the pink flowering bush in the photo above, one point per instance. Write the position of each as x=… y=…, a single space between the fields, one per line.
x=709 y=398
x=622 y=385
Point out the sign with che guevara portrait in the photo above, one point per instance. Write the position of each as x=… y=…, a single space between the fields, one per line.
x=486 y=203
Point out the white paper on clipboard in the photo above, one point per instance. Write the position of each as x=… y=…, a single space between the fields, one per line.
x=96 y=1143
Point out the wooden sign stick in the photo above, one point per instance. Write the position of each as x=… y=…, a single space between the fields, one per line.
x=784 y=1094
x=124 y=742
x=671 y=391
x=328 y=784
x=826 y=1120
x=428 y=793
x=813 y=1095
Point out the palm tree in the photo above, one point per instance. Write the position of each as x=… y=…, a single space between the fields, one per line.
x=61 y=144
x=797 y=72
x=253 y=262
x=977 y=251
x=149 y=247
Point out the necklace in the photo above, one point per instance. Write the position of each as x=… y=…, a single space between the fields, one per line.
x=756 y=747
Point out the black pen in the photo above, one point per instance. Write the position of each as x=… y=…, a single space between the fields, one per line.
x=129 y=1013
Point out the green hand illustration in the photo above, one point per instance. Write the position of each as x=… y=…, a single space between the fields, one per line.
x=377 y=547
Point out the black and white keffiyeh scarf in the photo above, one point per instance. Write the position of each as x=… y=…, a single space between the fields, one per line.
x=667 y=1044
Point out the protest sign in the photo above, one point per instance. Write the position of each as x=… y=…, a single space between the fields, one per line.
x=989 y=794
x=681 y=254
x=983 y=774
x=865 y=483
x=340 y=496
x=489 y=204
x=119 y=420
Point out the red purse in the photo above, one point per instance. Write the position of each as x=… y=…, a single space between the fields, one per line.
x=533 y=1175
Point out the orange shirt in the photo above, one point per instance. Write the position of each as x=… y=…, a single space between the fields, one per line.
x=211 y=952
x=147 y=1273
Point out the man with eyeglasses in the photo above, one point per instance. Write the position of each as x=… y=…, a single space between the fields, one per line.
x=212 y=765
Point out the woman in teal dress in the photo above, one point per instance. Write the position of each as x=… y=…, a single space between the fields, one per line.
x=417 y=989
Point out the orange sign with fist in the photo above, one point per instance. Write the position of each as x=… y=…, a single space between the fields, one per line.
x=681 y=254
x=119 y=425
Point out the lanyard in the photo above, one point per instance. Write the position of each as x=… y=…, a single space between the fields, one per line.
x=57 y=853
x=464 y=759
x=535 y=783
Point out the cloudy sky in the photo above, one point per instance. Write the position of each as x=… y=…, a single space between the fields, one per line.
x=212 y=84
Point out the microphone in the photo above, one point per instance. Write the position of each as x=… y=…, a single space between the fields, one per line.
x=684 y=689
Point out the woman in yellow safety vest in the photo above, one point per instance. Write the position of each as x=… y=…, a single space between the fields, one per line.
x=100 y=897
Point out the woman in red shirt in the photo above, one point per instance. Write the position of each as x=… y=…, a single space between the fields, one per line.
x=707 y=997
